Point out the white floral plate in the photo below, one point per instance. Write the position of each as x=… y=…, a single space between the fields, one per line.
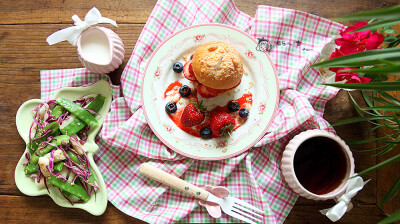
x=260 y=80
x=24 y=118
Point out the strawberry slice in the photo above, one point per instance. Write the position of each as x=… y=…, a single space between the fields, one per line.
x=188 y=71
x=207 y=92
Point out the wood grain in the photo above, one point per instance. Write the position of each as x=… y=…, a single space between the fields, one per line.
x=24 y=26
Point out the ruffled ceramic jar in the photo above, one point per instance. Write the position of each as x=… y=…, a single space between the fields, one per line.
x=288 y=170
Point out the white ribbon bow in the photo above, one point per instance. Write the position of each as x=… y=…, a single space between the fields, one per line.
x=337 y=211
x=72 y=33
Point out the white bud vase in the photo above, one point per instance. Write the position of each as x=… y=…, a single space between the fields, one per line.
x=100 y=49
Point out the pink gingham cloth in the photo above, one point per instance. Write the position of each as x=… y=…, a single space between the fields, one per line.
x=293 y=39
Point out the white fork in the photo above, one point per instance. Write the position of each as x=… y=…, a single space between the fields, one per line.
x=231 y=206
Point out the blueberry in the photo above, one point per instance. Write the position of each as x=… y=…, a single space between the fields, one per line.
x=205 y=133
x=244 y=113
x=170 y=107
x=185 y=91
x=233 y=106
x=177 y=67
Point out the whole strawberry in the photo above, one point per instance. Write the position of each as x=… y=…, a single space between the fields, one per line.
x=193 y=114
x=222 y=124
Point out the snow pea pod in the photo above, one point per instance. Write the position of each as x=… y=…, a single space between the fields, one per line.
x=58 y=166
x=69 y=187
x=73 y=157
x=78 y=111
x=33 y=166
x=57 y=111
x=41 y=136
x=77 y=124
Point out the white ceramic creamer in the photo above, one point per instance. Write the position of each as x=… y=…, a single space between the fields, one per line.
x=100 y=49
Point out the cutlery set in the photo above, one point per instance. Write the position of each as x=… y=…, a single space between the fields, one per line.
x=231 y=206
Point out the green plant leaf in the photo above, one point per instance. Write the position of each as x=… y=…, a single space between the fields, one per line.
x=388 y=149
x=394 y=142
x=392 y=218
x=360 y=119
x=357 y=107
x=381 y=164
x=369 y=103
x=374 y=149
x=393 y=191
x=397 y=120
x=365 y=58
x=378 y=24
x=363 y=141
x=383 y=108
x=380 y=100
x=384 y=86
x=377 y=77
x=393 y=70
x=374 y=128
x=366 y=98
x=390 y=97
x=394 y=44
x=390 y=31
x=385 y=13
x=390 y=39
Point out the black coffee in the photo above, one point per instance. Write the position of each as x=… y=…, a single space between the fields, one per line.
x=320 y=165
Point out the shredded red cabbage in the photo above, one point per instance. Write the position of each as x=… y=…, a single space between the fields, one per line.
x=69 y=200
x=51 y=102
x=57 y=175
x=69 y=158
x=39 y=176
x=91 y=111
x=44 y=179
x=81 y=169
x=65 y=196
x=43 y=144
x=84 y=101
x=30 y=130
x=28 y=158
x=51 y=160
x=39 y=124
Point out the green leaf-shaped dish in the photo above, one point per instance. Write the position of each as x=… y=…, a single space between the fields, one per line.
x=97 y=204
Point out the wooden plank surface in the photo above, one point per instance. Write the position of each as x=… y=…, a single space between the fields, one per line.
x=24 y=26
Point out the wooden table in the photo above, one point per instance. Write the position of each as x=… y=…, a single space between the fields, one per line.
x=24 y=26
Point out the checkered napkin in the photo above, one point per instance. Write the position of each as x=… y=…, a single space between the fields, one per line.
x=292 y=38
